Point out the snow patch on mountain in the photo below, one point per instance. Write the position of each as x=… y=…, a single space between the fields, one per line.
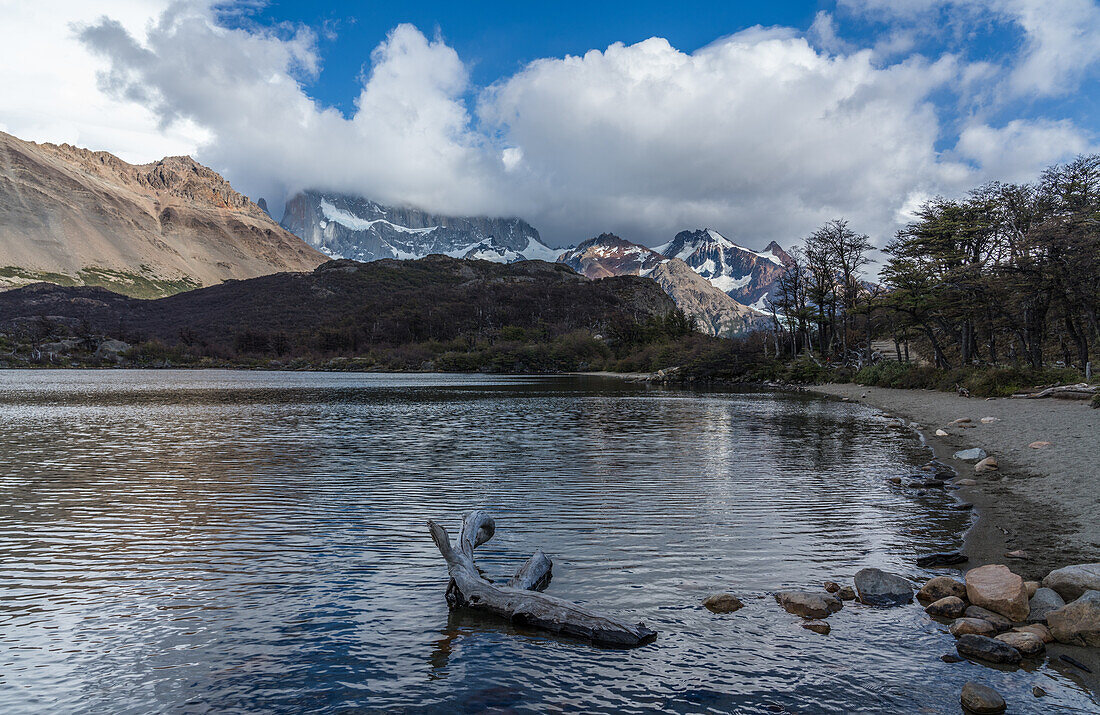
x=360 y=224
x=364 y=230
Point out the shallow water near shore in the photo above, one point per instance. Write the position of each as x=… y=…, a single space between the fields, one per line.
x=243 y=541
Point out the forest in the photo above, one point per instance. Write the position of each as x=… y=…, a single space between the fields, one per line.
x=1007 y=277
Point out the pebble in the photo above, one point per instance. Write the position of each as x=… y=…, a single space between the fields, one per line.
x=989 y=420
x=1041 y=603
x=1072 y=581
x=1077 y=622
x=942 y=433
x=989 y=464
x=975 y=454
x=1036 y=629
x=847 y=593
x=995 y=587
x=832 y=586
x=879 y=588
x=1018 y=554
x=1039 y=445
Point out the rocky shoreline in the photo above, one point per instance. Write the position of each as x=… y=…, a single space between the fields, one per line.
x=1033 y=478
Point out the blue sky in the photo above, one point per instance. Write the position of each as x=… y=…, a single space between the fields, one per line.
x=761 y=120
x=498 y=38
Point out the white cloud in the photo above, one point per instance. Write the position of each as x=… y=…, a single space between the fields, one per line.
x=1020 y=150
x=1061 y=38
x=409 y=140
x=759 y=134
x=48 y=89
x=1063 y=43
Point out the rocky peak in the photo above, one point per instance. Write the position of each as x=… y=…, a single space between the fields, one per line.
x=609 y=255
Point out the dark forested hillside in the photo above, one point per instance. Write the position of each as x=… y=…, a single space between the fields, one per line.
x=435 y=312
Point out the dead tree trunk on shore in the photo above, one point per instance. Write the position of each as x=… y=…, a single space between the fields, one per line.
x=519 y=601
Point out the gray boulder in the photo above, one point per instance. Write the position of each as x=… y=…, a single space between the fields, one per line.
x=1071 y=581
x=972 y=626
x=109 y=350
x=1078 y=622
x=941 y=587
x=987 y=649
x=998 y=621
x=1028 y=644
x=878 y=588
x=981 y=700
x=723 y=603
x=808 y=604
x=948 y=607
x=1043 y=602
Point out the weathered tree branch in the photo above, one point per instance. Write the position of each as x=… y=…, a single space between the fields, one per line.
x=519 y=600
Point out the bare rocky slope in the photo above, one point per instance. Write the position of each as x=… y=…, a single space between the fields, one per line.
x=717 y=313
x=78 y=217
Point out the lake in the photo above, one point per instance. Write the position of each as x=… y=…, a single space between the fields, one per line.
x=178 y=541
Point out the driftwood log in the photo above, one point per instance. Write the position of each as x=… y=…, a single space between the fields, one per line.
x=519 y=601
x=1080 y=391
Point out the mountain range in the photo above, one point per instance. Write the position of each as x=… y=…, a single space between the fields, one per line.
x=72 y=217
x=77 y=217
x=353 y=227
x=745 y=275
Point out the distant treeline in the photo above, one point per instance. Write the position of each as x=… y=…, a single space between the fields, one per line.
x=436 y=313
x=1010 y=275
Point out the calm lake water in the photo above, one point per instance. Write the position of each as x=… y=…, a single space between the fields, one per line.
x=241 y=542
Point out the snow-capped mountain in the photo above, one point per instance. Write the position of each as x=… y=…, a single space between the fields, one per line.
x=353 y=227
x=608 y=255
x=746 y=276
x=715 y=312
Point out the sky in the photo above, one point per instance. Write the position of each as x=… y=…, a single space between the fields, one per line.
x=760 y=120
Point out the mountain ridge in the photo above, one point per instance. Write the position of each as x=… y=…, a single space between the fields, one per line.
x=76 y=216
x=358 y=228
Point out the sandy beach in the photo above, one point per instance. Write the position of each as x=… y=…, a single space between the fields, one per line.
x=1043 y=501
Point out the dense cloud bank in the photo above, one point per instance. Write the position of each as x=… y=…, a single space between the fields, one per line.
x=763 y=134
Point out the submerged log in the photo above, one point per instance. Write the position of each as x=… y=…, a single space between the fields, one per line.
x=519 y=600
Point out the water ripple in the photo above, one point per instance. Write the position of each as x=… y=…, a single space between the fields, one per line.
x=239 y=542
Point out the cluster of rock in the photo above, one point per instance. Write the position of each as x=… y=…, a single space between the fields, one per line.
x=934 y=475
x=995 y=604
x=873 y=587
x=998 y=617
